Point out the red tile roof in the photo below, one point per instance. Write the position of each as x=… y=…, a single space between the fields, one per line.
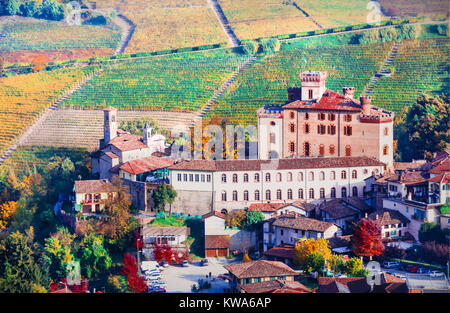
x=147 y=164
x=343 y=285
x=93 y=186
x=265 y=207
x=388 y=217
x=444 y=166
x=296 y=221
x=127 y=142
x=330 y=100
x=285 y=252
x=112 y=155
x=337 y=208
x=275 y=286
x=441 y=178
x=260 y=268
x=217 y=241
x=213 y=213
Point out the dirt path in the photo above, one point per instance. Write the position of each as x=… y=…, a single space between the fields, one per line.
x=234 y=40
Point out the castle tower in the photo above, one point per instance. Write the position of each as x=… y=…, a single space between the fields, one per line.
x=313 y=85
x=366 y=104
x=348 y=92
x=147 y=134
x=110 y=124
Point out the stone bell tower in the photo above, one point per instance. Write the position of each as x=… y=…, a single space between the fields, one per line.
x=313 y=85
x=110 y=124
x=147 y=134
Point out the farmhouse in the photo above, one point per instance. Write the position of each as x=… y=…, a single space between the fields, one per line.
x=91 y=195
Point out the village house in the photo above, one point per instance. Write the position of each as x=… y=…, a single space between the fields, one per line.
x=275 y=286
x=270 y=210
x=291 y=227
x=172 y=236
x=318 y=122
x=387 y=284
x=393 y=224
x=91 y=195
x=258 y=271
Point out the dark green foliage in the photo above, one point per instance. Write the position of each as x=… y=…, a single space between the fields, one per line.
x=162 y=195
x=94 y=258
x=253 y=219
x=52 y=10
x=270 y=45
x=250 y=47
x=432 y=232
x=9 y=7
x=315 y=262
x=29 y=8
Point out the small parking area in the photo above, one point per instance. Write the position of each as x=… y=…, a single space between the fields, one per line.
x=181 y=279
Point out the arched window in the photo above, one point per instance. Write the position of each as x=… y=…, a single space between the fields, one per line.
x=256 y=178
x=256 y=195
x=278 y=177
x=278 y=194
x=354 y=174
x=289 y=194
x=385 y=150
x=267 y=177
x=235 y=178
x=267 y=194
x=245 y=178
x=321 y=176
x=333 y=175
x=322 y=193
x=292 y=147
x=306 y=149
x=224 y=196
x=311 y=176
x=355 y=191
x=322 y=150
x=306 y=128
x=292 y=127
x=348 y=151
x=306 y=115
x=300 y=193
x=224 y=178
x=311 y=193
x=289 y=176
x=245 y=195
x=235 y=195
x=343 y=175
x=333 y=192
x=224 y=211
x=332 y=149
x=300 y=176
x=292 y=115
x=343 y=192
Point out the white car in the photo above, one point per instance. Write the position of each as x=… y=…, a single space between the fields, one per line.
x=389 y=264
x=153 y=276
x=157 y=283
x=436 y=274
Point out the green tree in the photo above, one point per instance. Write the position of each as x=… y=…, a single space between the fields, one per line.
x=94 y=258
x=10 y=7
x=29 y=8
x=354 y=268
x=162 y=195
x=315 y=262
x=251 y=47
x=430 y=231
x=252 y=219
x=271 y=45
x=52 y=10
x=20 y=271
x=59 y=256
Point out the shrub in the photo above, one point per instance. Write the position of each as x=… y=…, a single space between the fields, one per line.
x=270 y=45
x=52 y=10
x=435 y=252
x=393 y=253
x=442 y=29
x=432 y=232
x=29 y=8
x=251 y=47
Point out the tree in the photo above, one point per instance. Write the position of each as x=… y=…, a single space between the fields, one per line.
x=94 y=258
x=52 y=10
x=38 y=63
x=137 y=284
x=393 y=252
x=430 y=231
x=59 y=257
x=10 y=7
x=20 y=271
x=130 y=270
x=163 y=194
x=7 y=210
x=29 y=8
x=252 y=219
x=304 y=247
x=366 y=239
x=354 y=268
x=315 y=262
x=129 y=266
x=235 y=219
x=435 y=252
x=251 y=47
x=270 y=45
x=246 y=258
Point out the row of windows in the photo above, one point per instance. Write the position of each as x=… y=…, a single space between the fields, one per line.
x=289 y=176
x=323 y=116
x=289 y=195
x=194 y=177
x=307 y=149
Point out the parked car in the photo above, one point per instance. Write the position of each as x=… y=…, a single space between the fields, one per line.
x=422 y=270
x=204 y=262
x=399 y=275
x=153 y=276
x=185 y=263
x=157 y=283
x=164 y=264
x=412 y=268
x=156 y=290
x=436 y=274
x=389 y=264
x=153 y=271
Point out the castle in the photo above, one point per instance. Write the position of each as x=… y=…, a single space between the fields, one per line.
x=318 y=122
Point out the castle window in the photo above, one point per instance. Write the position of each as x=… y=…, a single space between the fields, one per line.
x=224 y=196
x=331 y=116
x=355 y=191
x=311 y=193
x=348 y=117
x=331 y=129
x=208 y=178
x=278 y=194
x=278 y=177
x=291 y=147
x=245 y=195
x=300 y=193
x=268 y=177
x=256 y=195
x=385 y=150
x=191 y=177
x=256 y=178
x=292 y=115
x=347 y=130
x=289 y=194
x=292 y=127
x=321 y=129
x=300 y=176
x=386 y=131
x=343 y=175
x=311 y=176
x=354 y=174
x=235 y=178
x=235 y=195
x=267 y=194
x=333 y=175
x=321 y=176
x=322 y=150
x=333 y=192
x=321 y=116
x=224 y=178
x=332 y=149
x=322 y=193
x=306 y=128
x=306 y=151
x=343 y=192
x=185 y=177
x=197 y=177
x=306 y=115
x=310 y=93
x=203 y=178
x=245 y=178
x=348 y=151
x=289 y=176
x=179 y=177
x=272 y=137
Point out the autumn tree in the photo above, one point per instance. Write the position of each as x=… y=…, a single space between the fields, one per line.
x=235 y=219
x=163 y=194
x=59 y=256
x=246 y=258
x=304 y=247
x=38 y=63
x=7 y=210
x=366 y=239
x=130 y=271
x=94 y=258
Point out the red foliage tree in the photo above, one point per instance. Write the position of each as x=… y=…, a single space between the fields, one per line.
x=138 y=240
x=367 y=239
x=129 y=266
x=158 y=253
x=137 y=284
x=168 y=253
x=181 y=255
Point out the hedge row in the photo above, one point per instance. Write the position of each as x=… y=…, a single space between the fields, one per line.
x=338 y=29
x=426 y=265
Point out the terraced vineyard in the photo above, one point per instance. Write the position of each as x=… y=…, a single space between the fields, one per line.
x=266 y=81
x=181 y=82
x=420 y=66
x=24 y=97
x=27 y=159
x=171 y=24
x=24 y=37
x=84 y=128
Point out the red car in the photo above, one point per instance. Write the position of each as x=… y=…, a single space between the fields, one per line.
x=412 y=268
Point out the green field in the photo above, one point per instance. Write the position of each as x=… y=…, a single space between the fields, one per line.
x=266 y=81
x=181 y=82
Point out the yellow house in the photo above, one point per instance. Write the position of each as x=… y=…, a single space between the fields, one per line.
x=91 y=195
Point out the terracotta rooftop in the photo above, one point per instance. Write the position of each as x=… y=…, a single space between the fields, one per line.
x=260 y=268
x=217 y=241
x=284 y=251
x=147 y=164
x=441 y=178
x=404 y=166
x=265 y=207
x=338 y=208
x=413 y=177
x=388 y=284
x=127 y=142
x=282 y=164
x=164 y=231
x=330 y=100
x=94 y=186
x=112 y=155
x=388 y=217
x=213 y=213
x=301 y=205
x=340 y=241
x=295 y=221
x=275 y=286
x=443 y=166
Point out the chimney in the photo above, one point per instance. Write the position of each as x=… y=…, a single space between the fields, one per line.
x=348 y=92
x=366 y=104
x=366 y=215
x=376 y=216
